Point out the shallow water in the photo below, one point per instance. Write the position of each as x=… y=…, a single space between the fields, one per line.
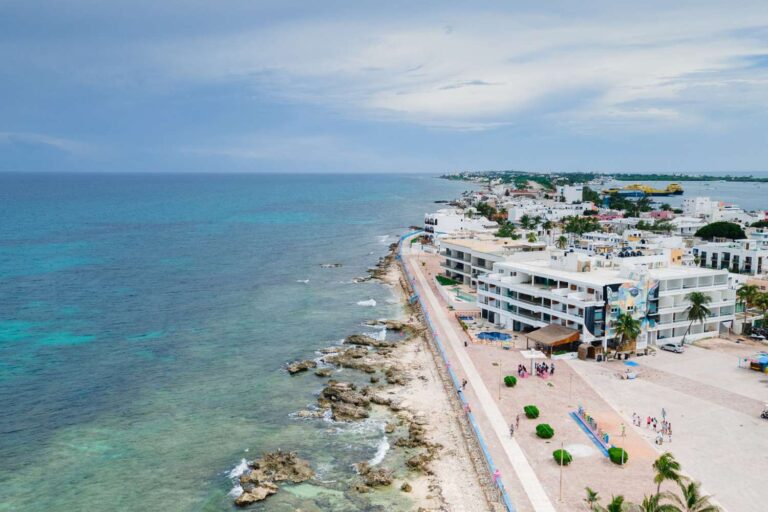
x=144 y=320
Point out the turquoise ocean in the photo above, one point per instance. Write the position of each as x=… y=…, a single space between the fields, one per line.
x=145 y=321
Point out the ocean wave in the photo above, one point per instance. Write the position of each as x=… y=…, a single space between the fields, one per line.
x=234 y=475
x=305 y=281
x=369 y=303
x=381 y=451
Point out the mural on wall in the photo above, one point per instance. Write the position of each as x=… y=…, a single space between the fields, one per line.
x=634 y=297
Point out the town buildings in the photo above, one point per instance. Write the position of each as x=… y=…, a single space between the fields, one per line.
x=748 y=256
x=456 y=221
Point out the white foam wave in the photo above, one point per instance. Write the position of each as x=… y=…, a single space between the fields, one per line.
x=234 y=475
x=381 y=451
x=369 y=303
x=305 y=281
x=383 y=238
x=380 y=335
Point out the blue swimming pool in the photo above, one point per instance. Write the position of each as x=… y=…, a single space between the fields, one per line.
x=497 y=336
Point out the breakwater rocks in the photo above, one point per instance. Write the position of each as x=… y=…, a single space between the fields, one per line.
x=260 y=480
x=381 y=268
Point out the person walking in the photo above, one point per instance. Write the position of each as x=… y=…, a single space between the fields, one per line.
x=517 y=421
x=463 y=384
x=511 y=430
x=552 y=369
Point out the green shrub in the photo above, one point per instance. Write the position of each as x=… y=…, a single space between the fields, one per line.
x=564 y=455
x=531 y=411
x=615 y=453
x=510 y=381
x=446 y=281
x=544 y=431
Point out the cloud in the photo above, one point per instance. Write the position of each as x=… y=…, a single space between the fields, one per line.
x=70 y=146
x=490 y=68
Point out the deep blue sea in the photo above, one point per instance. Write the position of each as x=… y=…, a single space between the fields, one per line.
x=145 y=320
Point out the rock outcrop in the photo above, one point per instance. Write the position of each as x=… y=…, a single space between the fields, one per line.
x=301 y=366
x=374 y=477
x=259 y=480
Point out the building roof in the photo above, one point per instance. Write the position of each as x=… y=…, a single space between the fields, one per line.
x=498 y=246
x=553 y=334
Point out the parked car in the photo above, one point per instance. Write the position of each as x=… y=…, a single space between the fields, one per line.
x=758 y=337
x=672 y=347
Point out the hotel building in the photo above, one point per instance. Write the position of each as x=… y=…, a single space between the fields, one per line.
x=588 y=293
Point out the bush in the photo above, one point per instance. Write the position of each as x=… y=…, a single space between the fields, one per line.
x=721 y=229
x=615 y=454
x=445 y=281
x=544 y=431
x=510 y=381
x=566 y=457
x=531 y=411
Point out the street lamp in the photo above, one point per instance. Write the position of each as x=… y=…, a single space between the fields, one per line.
x=562 y=456
x=623 y=435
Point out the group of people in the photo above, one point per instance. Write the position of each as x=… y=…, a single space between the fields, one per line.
x=521 y=370
x=544 y=369
x=514 y=426
x=662 y=428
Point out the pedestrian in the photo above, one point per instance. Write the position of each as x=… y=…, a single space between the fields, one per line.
x=463 y=384
x=648 y=422
x=517 y=421
x=552 y=369
x=511 y=430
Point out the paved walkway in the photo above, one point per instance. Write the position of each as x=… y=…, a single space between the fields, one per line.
x=483 y=402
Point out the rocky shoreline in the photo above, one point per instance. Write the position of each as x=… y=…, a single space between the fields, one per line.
x=395 y=371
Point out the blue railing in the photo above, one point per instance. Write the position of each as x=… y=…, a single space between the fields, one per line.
x=475 y=428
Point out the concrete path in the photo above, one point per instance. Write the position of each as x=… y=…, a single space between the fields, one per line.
x=511 y=450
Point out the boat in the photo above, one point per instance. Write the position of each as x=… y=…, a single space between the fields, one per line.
x=637 y=189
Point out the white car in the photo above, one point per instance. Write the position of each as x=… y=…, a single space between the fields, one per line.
x=672 y=347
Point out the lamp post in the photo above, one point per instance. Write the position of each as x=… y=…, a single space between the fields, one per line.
x=562 y=455
x=623 y=434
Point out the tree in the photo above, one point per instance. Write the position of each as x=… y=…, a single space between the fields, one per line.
x=644 y=204
x=532 y=237
x=663 y=227
x=562 y=242
x=485 y=210
x=653 y=503
x=761 y=302
x=721 y=229
x=692 y=499
x=747 y=294
x=592 y=498
x=525 y=222
x=581 y=225
x=666 y=468
x=627 y=329
x=666 y=207
x=697 y=309
x=506 y=230
x=760 y=224
x=590 y=195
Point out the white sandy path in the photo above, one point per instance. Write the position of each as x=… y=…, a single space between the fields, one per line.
x=525 y=474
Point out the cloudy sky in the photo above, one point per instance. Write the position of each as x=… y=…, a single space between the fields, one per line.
x=396 y=86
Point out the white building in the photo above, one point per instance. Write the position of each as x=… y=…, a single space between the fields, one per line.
x=715 y=211
x=687 y=226
x=587 y=294
x=544 y=208
x=466 y=258
x=454 y=221
x=571 y=193
x=748 y=256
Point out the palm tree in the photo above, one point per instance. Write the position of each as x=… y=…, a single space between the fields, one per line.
x=525 y=222
x=697 y=309
x=746 y=295
x=617 y=504
x=667 y=468
x=692 y=500
x=761 y=302
x=562 y=242
x=653 y=503
x=627 y=328
x=532 y=237
x=592 y=498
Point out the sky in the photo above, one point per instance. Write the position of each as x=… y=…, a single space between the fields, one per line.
x=396 y=86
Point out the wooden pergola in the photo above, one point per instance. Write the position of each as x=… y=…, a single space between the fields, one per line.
x=551 y=336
